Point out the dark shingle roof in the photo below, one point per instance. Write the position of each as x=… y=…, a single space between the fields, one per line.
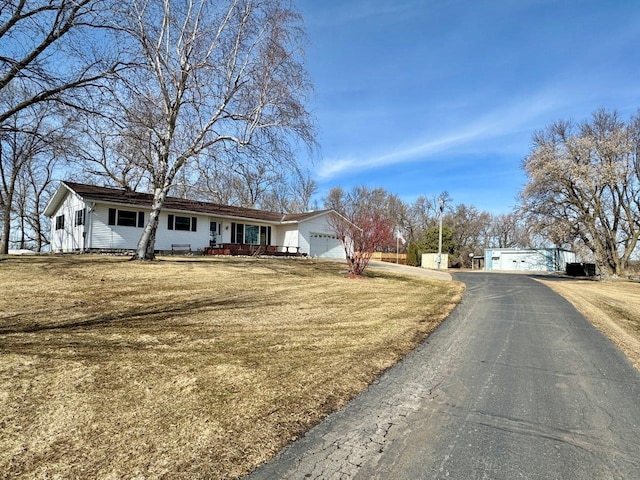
x=126 y=197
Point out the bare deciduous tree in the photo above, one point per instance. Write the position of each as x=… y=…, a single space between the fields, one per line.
x=38 y=38
x=507 y=231
x=364 y=225
x=48 y=62
x=291 y=193
x=111 y=151
x=423 y=215
x=28 y=138
x=470 y=227
x=211 y=74
x=37 y=187
x=583 y=186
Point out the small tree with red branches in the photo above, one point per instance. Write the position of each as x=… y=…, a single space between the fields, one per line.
x=362 y=231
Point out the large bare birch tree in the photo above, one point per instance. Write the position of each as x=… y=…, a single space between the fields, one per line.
x=212 y=75
x=50 y=57
x=584 y=186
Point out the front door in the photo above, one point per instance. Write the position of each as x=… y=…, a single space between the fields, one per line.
x=214 y=233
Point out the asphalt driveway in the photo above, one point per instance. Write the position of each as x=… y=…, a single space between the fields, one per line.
x=514 y=384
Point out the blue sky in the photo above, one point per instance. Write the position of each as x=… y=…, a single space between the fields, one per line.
x=423 y=96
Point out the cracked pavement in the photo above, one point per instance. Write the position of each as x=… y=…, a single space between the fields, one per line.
x=514 y=384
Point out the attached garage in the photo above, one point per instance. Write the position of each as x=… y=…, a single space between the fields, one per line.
x=323 y=245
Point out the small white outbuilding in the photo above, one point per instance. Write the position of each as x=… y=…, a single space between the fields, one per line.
x=528 y=259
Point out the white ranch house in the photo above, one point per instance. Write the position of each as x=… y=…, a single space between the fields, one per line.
x=86 y=218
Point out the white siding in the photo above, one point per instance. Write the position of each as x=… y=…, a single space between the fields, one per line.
x=543 y=259
x=198 y=239
x=287 y=236
x=108 y=237
x=105 y=236
x=70 y=238
x=318 y=226
x=325 y=245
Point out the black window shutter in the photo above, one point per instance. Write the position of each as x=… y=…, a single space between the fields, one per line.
x=112 y=216
x=140 y=219
x=233 y=232
x=194 y=224
x=170 y=226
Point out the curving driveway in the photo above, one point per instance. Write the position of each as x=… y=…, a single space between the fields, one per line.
x=514 y=384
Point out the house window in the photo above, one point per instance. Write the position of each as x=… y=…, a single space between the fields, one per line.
x=250 y=234
x=237 y=233
x=79 y=217
x=185 y=224
x=126 y=218
x=265 y=235
x=60 y=222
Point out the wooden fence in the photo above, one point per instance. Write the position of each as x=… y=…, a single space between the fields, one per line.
x=400 y=258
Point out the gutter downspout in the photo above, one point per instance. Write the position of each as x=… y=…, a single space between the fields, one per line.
x=88 y=231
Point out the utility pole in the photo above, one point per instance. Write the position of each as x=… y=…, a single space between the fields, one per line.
x=439 y=259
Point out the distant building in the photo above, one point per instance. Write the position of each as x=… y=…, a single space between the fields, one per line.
x=528 y=259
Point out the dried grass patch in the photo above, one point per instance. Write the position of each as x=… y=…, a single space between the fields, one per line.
x=188 y=368
x=612 y=306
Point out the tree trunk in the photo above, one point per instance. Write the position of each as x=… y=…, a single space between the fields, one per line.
x=37 y=225
x=6 y=220
x=6 y=229
x=147 y=242
x=23 y=237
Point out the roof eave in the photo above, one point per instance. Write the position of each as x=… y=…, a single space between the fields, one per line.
x=54 y=202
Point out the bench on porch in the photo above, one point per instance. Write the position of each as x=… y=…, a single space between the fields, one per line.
x=180 y=247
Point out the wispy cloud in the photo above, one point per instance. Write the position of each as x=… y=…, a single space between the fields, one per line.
x=501 y=122
x=331 y=168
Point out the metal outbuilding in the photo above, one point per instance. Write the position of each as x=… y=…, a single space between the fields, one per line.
x=528 y=259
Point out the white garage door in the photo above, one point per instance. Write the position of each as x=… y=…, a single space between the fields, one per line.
x=323 y=245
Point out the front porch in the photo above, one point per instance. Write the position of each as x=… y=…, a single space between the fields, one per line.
x=253 y=250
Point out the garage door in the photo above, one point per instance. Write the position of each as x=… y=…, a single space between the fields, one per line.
x=323 y=245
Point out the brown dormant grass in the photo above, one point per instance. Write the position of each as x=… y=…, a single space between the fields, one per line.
x=612 y=306
x=188 y=368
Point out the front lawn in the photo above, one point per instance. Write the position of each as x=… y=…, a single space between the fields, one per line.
x=612 y=306
x=188 y=367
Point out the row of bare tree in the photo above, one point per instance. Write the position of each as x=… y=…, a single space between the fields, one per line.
x=466 y=230
x=583 y=193
x=203 y=96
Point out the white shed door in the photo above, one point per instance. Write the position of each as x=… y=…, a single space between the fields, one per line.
x=323 y=245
